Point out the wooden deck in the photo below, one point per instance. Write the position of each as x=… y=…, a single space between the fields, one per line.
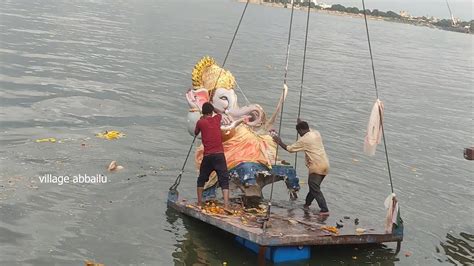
x=293 y=227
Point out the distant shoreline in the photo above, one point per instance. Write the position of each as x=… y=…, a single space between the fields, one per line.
x=417 y=21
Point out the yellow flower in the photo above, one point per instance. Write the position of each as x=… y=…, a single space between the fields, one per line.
x=110 y=135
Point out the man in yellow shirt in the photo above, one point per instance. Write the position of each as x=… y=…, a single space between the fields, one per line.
x=311 y=143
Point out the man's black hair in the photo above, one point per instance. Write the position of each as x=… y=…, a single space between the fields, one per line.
x=302 y=126
x=207 y=108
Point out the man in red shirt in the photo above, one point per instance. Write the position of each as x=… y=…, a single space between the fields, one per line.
x=214 y=160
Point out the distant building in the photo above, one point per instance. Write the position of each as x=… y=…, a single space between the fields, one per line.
x=404 y=14
x=252 y=1
x=311 y=1
x=324 y=5
x=455 y=21
x=433 y=19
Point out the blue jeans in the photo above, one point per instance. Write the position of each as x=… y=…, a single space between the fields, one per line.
x=314 y=183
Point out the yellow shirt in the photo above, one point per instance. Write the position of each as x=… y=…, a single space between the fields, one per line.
x=315 y=155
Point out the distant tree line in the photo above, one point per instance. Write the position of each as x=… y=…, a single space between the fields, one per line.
x=443 y=23
x=297 y=2
x=340 y=8
x=355 y=10
x=447 y=23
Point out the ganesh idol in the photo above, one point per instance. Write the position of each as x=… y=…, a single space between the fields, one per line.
x=248 y=147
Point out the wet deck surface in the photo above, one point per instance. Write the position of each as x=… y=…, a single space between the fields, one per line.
x=293 y=226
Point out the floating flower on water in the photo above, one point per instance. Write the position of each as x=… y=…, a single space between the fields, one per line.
x=53 y=140
x=110 y=135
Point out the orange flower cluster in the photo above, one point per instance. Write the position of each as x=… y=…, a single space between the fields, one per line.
x=331 y=229
x=212 y=208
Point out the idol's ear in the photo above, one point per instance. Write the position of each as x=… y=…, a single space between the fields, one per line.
x=197 y=97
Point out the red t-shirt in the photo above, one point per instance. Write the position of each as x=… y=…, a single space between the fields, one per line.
x=210 y=128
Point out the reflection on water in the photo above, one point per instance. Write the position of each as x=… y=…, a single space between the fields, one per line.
x=361 y=254
x=202 y=244
x=459 y=249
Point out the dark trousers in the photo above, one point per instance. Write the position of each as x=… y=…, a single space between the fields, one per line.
x=314 y=183
x=214 y=162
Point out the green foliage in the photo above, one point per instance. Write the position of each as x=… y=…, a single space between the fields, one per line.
x=392 y=14
x=444 y=23
x=305 y=3
x=338 y=7
x=367 y=11
x=353 y=10
x=378 y=13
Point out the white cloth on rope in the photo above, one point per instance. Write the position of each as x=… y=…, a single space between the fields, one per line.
x=391 y=204
x=374 y=129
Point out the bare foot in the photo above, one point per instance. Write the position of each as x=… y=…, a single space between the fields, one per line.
x=324 y=213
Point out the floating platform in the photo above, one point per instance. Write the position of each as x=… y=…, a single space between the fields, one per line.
x=291 y=231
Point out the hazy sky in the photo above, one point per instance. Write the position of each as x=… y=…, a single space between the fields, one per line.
x=461 y=8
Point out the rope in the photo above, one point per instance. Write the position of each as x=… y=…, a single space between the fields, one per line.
x=231 y=44
x=241 y=91
x=235 y=34
x=230 y=47
x=267 y=216
x=178 y=178
x=377 y=95
x=302 y=76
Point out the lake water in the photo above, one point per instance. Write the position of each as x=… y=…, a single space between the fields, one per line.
x=71 y=69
